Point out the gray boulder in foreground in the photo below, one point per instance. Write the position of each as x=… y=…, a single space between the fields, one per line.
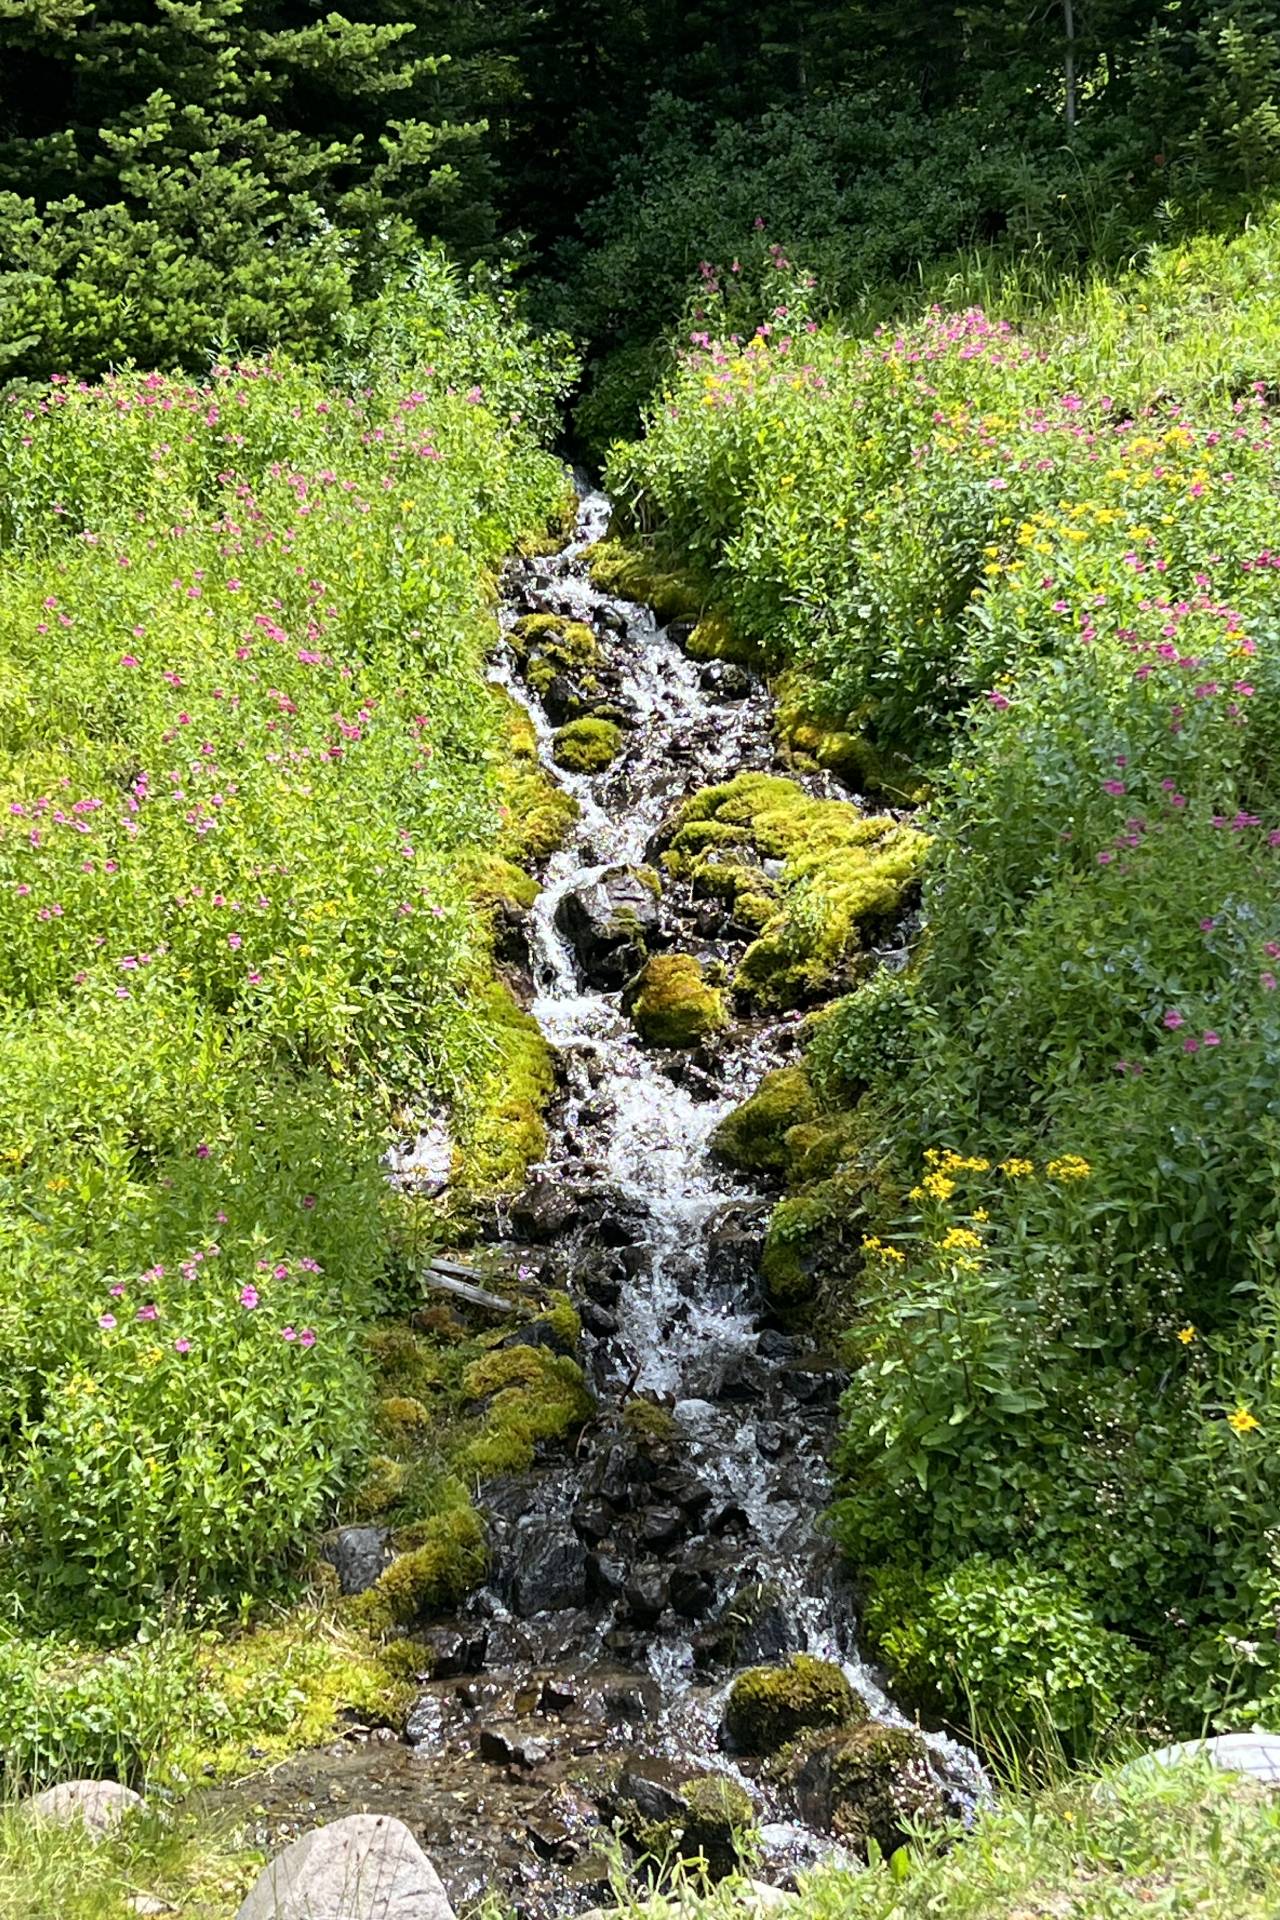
x=366 y=1867
x=1257 y=1754
x=100 y=1804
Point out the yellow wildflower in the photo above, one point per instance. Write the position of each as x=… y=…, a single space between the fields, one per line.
x=1186 y=1335
x=960 y=1239
x=1242 y=1421
x=1069 y=1166
x=1015 y=1169
x=938 y=1187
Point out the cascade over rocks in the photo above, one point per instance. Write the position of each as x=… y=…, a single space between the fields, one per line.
x=640 y=1565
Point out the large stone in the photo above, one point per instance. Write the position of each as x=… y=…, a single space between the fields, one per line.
x=366 y=1867
x=549 y=1571
x=672 y=1004
x=358 y=1555
x=99 y=1804
x=864 y=1783
x=609 y=924
x=769 y=1706
x=1257 y=1754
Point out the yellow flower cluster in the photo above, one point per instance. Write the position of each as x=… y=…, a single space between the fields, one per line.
x=1069 y=1167
x=949 y=1161
x=960 y=1240
x=876 y=1247
x=934 y=1186
x=1015 y=1169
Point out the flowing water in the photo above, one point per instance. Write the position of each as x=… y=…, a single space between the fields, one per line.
x=631 y=1580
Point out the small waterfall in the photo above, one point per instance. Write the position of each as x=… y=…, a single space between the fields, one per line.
x=631 y=1667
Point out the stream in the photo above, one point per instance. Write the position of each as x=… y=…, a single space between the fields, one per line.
x=633 y=1579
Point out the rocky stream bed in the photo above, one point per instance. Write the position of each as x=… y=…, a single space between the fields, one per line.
x=680 y=1542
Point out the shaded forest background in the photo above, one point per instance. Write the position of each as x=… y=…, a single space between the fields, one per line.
x=183 y=175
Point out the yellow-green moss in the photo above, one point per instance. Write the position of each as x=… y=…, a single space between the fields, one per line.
x=846 y=878
x=533 y=1395
x=650 y=1423
x=845 y=750
x=381 y=1488
x=769 y=1706
x=535 y=813
x=493 y=881
x=754 y=1136
x=499 y=1117
x=564 y=1320
x=633 y=571
x=435 y=1576
x=587 y=746
x=402 y=1417
x=673 y=1005
x=716 y=638
x=280 y=1688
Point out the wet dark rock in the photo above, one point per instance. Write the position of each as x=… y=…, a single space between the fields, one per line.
x=606 y=1573
x=556 y=1695
x=601 y=1285
x=755 y=1626
x=814 y=1385
x=661 y=1527
x=513 y=1746
x=546 y=1209
x=508 y=1497
x=358 y=1556
x=453 y=1650
x=630 y=1702
x=611 y=620
x=725 y=680
x=650 y=1789
x=599 y=1320
x=593 y=1519
x=646 y=1595
x=609 y=924
x=693 y=1592
x=773 y=1344
x=729 y=1374
x=549 y=1570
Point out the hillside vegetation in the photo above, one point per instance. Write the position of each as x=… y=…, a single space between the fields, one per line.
x=1030 y=550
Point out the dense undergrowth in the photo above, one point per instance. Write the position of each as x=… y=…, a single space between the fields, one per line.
x=1032 y=552
x=253 y=779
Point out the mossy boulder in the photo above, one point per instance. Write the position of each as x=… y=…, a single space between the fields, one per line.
x=770 y=1706
x=434 y=1577
x=754 y=1136
x=823 y=879
x=650 y=1424
x=815 y=740
x=865 y=1783
x=672 y=1004
x=635 y=571
x=587 y=746
x=531 y=1395
x=719 y=1820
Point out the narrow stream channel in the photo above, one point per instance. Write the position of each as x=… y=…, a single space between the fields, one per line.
x=631 y=1581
